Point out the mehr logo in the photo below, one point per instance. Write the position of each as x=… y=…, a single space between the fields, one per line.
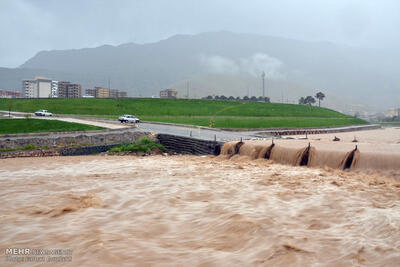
x=18 y=251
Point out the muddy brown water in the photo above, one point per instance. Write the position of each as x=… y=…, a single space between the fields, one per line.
x=198 y=211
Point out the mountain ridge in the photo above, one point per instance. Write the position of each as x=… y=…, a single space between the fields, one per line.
x=144 y=69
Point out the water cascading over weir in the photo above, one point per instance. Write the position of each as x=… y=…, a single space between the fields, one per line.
x=311 y=156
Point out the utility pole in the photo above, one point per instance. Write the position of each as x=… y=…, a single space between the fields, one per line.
x=263 y=84
x=187 y=89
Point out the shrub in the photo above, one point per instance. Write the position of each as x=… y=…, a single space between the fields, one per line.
x=143 y=145
x=29 y=146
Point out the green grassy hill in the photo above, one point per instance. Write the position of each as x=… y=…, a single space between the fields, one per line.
x=225 y=114
x=13 y=126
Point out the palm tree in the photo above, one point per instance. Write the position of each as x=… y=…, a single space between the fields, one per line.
x=320 y=96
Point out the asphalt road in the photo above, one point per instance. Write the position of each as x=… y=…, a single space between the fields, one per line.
x=180 y=130
x=187 y=131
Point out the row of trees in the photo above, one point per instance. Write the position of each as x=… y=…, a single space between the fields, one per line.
x=309 y=100
x=245 y=98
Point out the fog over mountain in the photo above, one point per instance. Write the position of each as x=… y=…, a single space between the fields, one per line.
x=226 y=63
x=346 y=48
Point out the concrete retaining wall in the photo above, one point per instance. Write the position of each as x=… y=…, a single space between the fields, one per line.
x=319 y=131
x=77 y=151
x=71 y=151
x=187 y=145
x=30 y=153
x=92 y=139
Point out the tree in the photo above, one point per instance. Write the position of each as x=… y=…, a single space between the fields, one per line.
x=264 y=99
x=253 y=98
x=302 y=101
x=209 y=97
x=238 y=98
x=231 y=98
x=246 y=98
x=222 y=97
x=309 y=100
x=216 y=97
x=320 y=96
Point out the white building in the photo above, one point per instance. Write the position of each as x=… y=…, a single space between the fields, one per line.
x=54 y=89
x=29 y=88
x=40 y=87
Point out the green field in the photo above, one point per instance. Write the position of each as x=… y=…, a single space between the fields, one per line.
x=226 y=114
x=12 y=126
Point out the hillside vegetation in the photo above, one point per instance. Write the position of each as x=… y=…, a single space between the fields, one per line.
x=166 y=107
x=215 y=113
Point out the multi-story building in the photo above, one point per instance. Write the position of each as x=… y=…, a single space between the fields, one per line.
x=10 y=94
x=29 y=88
x=40 y=87
x=69 y=90
x=168 y=93
x=102 y=92
x=393 y=113
x=43 y=87
x=54 y=89
x=90 y=92
x=114 y=93
x=122 y=94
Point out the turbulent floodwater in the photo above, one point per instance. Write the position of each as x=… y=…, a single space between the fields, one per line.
x=188 y=210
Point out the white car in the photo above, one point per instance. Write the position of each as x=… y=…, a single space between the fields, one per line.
x=128 y=118
x=43 y=112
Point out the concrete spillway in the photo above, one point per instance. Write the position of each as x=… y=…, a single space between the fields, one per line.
x=311 y=156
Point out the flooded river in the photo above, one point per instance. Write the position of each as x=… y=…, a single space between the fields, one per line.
x=197 y=211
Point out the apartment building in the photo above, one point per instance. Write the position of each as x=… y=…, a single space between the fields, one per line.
x=10 y=94
x=54 y=89
x=395 y=112
x=90 y=92
x=39 y=87
x=29 y=88
x=122 y=94
x=100 y=92
x=114 y=93
x=168 y=93
x=69 y=90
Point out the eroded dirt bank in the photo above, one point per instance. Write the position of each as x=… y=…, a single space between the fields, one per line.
x=189 y=210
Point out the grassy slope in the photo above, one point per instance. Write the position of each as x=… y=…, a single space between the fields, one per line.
x=11 y=126
x=291 y=122
x=185 y=111
x=169 y=107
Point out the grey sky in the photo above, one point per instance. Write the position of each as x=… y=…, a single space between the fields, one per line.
x=29 y=26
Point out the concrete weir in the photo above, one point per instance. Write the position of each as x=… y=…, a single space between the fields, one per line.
x=312 y=157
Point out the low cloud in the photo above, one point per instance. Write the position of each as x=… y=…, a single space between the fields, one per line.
x=218 y=64
x=253 y=65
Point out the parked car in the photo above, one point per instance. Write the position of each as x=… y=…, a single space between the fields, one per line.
x=43 y=112
x=128 y=118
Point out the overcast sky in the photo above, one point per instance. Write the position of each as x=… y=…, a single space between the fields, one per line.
x=29 y=26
